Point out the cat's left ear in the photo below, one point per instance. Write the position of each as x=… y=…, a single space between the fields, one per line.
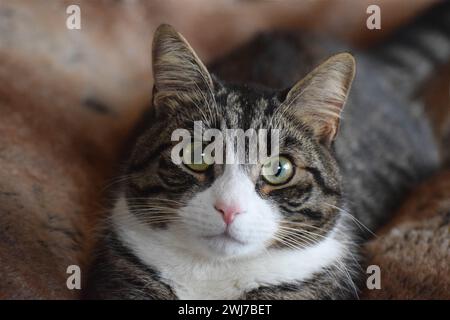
x=178 y=73
x=317 y=100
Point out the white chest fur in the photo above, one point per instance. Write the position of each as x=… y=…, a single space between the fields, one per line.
x=196 y=278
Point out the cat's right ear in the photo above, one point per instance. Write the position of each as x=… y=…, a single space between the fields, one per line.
x=179 y=75
x=317 y=100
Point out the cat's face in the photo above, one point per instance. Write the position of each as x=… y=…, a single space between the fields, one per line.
x=233 y=210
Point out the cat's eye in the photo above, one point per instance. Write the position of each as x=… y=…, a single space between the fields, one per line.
x=277 y=170
x=194 y=158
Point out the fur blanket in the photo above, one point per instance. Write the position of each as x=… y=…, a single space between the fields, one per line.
x=413 y=250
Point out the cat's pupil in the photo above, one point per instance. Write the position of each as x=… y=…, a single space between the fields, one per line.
x=279 y=169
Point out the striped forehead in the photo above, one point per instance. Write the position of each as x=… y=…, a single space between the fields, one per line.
x=243 y=111
x=246 y=109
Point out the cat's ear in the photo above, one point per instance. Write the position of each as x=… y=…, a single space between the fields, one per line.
x=318 y=99
x=178 y=73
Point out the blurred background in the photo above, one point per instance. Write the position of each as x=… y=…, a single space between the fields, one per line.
x=68 y=99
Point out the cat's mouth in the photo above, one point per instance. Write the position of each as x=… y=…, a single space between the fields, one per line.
x=225 y=237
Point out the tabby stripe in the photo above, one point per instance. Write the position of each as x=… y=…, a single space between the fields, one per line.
x=271 y=107
x=177 y=179
x=287 y=209
x=321 y=182
x=312 y=214
x=147 y=190
x=393 y=60
x=291 y=142
x=167 y=165
x=420 y=46
x=306 y=194
x=170 y=184
x=141 y=165
x=415 y=50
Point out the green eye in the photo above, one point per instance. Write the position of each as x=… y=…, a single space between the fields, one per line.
x=194 y=158
x=278 y=170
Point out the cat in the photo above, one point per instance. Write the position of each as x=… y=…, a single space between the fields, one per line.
x=216 y=231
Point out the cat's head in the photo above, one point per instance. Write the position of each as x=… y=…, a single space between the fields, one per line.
x=236 y=210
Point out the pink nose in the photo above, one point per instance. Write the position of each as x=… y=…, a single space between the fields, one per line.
x=228 y=212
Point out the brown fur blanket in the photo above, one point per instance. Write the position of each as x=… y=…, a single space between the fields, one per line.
x=413 y=250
